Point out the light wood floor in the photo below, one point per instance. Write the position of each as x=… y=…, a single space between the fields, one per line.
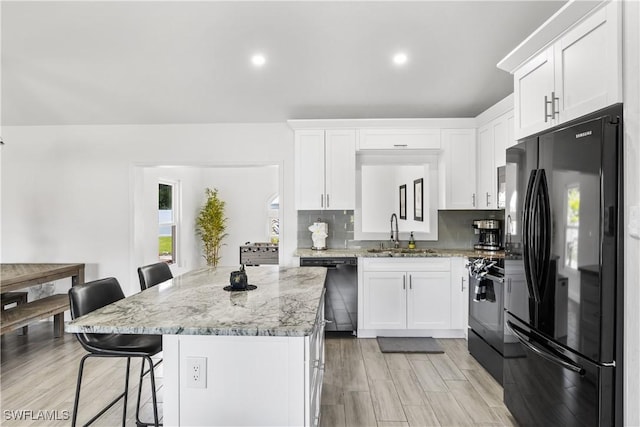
x=362 y=386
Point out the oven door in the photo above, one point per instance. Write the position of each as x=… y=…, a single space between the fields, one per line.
x=486 y=317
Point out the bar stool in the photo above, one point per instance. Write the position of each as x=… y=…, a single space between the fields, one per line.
x=18 y=298
x=152 y=274
x=90 y=296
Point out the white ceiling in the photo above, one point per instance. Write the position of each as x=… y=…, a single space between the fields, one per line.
x=159 y=62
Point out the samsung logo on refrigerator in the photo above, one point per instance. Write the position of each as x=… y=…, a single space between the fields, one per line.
x=583 y=134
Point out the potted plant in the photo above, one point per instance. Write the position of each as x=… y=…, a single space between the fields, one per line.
x=211 y=225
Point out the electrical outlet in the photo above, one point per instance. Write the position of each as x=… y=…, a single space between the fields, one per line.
x=196 y=372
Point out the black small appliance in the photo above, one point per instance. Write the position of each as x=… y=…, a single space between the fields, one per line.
x=489 y=234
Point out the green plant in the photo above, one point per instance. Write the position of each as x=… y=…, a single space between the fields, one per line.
x=211 y=225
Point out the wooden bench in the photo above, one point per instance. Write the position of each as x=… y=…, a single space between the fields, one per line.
x=18 y=276
x=23 y=314
x=17 y=298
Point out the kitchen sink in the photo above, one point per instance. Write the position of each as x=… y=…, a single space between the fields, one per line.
x=400 y=251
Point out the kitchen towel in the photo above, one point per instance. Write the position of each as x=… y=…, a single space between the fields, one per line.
x=409 y=345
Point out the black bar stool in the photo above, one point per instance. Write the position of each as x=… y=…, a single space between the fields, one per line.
x=91 y=296
x=152 y=274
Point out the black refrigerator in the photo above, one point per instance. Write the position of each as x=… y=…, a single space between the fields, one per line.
x=564 y=276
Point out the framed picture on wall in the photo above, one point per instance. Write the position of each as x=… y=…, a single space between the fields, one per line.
x=403 y=201
x=418 y=205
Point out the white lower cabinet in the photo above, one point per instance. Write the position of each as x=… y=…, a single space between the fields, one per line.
x=407 y=297
x=459 y=294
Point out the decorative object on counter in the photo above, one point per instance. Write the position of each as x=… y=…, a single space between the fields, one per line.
x=319 y=233
x=489 y=234
x=211 y=225
x=412 y=241
x=403 y=201
x=409 y=345
x=238 y=281
x=418 y=204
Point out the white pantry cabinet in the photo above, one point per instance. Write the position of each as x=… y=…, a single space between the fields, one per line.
x=493 y=140
x=459 y=147
x=580 y=72
x=398 y=139
x=408 y=297
x=325 y=169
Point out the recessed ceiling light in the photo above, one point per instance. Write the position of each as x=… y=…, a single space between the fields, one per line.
x=400 y=58
x=258 y=60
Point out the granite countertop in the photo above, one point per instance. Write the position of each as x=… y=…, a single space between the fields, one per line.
x=403 y=253
x=284 y=304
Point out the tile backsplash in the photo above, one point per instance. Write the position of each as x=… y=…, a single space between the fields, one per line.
x=340 y=224
x=455 y=229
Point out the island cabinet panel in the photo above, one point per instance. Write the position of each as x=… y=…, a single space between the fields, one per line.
x=266 y=381
x=407 y=297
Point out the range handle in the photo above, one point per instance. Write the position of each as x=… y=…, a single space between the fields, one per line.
x=525 y=341
x=494 y=278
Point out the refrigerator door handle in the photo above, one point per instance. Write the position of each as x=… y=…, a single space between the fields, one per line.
x=545 y=229
x=527 y=235
x=523 y=338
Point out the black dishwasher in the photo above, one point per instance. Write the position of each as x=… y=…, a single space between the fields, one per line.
x=341 y=296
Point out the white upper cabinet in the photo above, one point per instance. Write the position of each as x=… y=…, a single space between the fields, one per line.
x=325 y=169
x=340 y=169
x=588 y=65
x=580 y=72
x=459 y=147
x=493 y=140
x=398 y=139
x=533 y=88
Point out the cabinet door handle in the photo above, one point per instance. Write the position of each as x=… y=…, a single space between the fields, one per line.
x=404 y=282
x=462 y=284
x=322 y=200
x=473 y=200
x=327 y=200
x=509 y=285
x=546 y=103
x=488 y=199
x=400 y=145
x=555 y=112
x=410 y=282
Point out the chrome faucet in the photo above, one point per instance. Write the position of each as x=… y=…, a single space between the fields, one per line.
x=396 y=240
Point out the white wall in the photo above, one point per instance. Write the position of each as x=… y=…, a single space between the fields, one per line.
x=68 y=191
x=631 y=93
x=246 y=191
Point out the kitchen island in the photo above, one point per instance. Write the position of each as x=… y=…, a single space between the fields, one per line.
x=259 y=354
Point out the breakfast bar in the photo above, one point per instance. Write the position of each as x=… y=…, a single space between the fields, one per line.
x=253 y=357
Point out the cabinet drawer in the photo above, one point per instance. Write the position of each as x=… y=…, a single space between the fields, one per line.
x=406 y=264
x=395 y=139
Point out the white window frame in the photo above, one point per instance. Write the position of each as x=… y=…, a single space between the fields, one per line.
x=176 y=204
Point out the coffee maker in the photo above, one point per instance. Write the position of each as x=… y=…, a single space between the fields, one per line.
x=489 y=235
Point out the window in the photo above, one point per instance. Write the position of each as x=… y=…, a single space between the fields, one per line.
x=274 y=219
x=571 y=227
x=167 y=222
